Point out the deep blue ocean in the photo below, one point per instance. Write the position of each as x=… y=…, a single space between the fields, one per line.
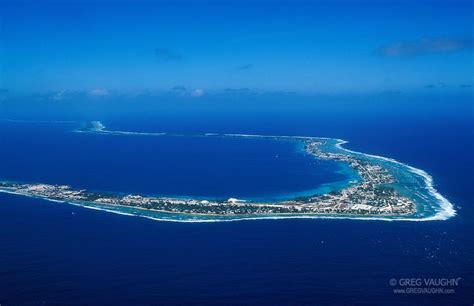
x=55 y=254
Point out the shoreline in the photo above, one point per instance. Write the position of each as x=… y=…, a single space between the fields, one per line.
x=242 y=218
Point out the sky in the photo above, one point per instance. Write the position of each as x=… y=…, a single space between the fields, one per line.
x=197 y=48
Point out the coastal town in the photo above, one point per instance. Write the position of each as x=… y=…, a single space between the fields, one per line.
x=369 y=196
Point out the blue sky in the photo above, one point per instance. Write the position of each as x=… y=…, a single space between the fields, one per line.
x=201 y=47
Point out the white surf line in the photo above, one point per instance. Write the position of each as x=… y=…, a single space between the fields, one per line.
x=129 y=133
x=31 y=196
x=103 y=131
x=174 y=219
x=447 y=208
x=100 y=128
x=187 y=217
x=111 y=132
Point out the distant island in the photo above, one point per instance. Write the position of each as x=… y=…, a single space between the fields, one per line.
x=385 y=188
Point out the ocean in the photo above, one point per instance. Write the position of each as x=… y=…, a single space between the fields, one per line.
x=52 y=253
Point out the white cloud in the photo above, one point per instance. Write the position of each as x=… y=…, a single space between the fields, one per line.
x=58 y=96
x=197 y=92
x=99 y=92
x=424 y=46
